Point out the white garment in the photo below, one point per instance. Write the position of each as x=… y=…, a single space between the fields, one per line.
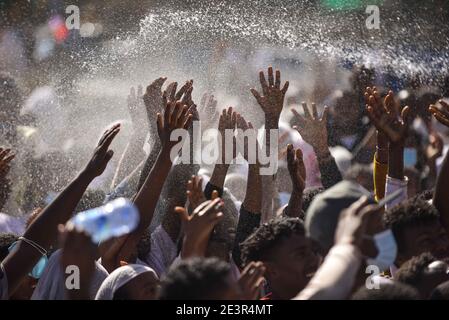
x=163 y=251
x=391 y=186
x=51 y=285
x=118 y=278
x=336 y=276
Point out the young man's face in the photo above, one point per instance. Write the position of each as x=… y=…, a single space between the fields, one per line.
x=426 y=237
x=291 y=267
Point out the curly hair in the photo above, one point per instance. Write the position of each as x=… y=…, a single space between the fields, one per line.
x=412 y=270
x=259 y=245
x=410 y=213
x=195 y=279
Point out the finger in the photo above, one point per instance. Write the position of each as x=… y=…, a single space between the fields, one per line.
x=167 y=112
x=182 y=213
x=299 y=117
x=270 y=76
x=182 y=90
x=285 y=87
x=139 y=91
x=325 y=114
x=108 y=132
x=444 y=104
x=233 y=120
x=171 y=90
x=214 y=195
x=4 y=152
x=314 y=111
x=201 y=206
x=188 y=121
x=441 y=119
x=301 y=165
x=190 y=185
x=9 y=158
x=108 y=140
x=290 y=154
x=307 y=114
x=158 y=83
x=263 y=83
x=257 y=96
x=277 y=84
x=204 y=98
x=160 y=124
x=199 y=184
x=182 y=116
x=213 y=207
x=356 y=207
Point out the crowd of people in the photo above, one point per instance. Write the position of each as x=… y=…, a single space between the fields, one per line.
x=363 y=216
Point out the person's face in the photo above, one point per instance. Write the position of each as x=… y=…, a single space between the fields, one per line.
x=143 y=287
x=426 y=237
x=293 y=264
x=435 y=274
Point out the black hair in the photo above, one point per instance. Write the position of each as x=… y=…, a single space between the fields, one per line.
x=6 y=240
x=259 y=245
x=411 y=271
x=441 y=292
x=308 y=196
x=410 y=213
x=195 y=279
x=390 y=291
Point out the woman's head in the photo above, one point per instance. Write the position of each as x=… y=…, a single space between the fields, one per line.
x=130 y=282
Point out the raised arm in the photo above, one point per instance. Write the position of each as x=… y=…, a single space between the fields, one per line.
x=441 y=196
x=175 y=116
x=394 y=123
x=271 y=102
x=313 y=129
x=133 y=154
x=297 y=171
x=44 y=230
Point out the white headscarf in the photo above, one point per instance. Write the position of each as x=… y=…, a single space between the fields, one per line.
x=118 y=278
x=51 y=285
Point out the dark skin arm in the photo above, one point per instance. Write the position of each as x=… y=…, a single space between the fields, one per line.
x=44 y=229
x=441 y=195
x=297 y=171
x=395 y=127
x=175 y=116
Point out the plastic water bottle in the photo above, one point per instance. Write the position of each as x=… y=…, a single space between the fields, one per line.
x=114 y=219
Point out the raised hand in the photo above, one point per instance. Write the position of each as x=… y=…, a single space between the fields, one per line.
x=251 y=280
x=153 y=98
x=135 y=107
x=312 y=128
x=441 y=114
x=195 y=192
x=208 y=109
x=227 y=121
x=251 y=134
x=176 y=116
x=296 y=168
x=199 y=226
x=102 y=155
x=353 y=222
x=387 y=118
x=272 y=98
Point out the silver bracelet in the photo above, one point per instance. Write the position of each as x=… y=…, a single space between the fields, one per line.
x=39 y=248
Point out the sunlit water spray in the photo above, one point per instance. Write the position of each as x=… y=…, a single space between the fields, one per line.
x=223 y=45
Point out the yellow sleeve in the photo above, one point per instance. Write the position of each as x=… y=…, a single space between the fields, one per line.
x=380 y=177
